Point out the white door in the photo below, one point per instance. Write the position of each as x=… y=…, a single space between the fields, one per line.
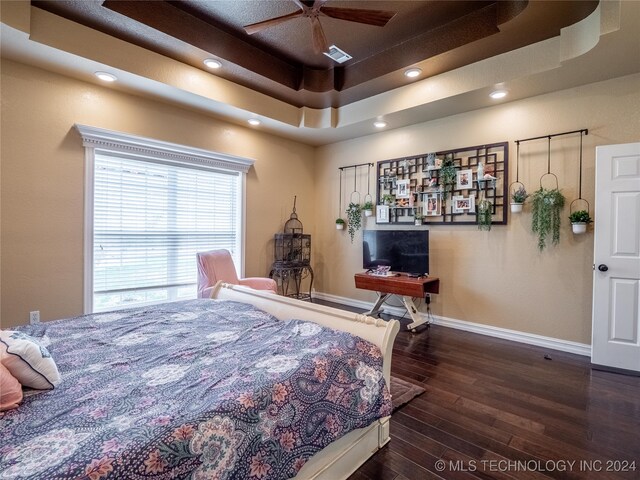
x=616 y=280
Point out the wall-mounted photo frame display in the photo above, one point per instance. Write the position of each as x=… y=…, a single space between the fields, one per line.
x=427 y=183
x=464 y=179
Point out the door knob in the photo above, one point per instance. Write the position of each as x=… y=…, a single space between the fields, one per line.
x=602 y=267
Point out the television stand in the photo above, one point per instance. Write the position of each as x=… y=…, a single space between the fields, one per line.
x=403 y=285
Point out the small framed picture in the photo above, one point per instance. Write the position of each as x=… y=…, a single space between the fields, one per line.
x=433 y=204
x=382 y=213
x=402 y=189
x=462 y=204
x=472 y=203
x=464 y=179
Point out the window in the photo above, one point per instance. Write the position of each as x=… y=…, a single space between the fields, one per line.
x=150 y=213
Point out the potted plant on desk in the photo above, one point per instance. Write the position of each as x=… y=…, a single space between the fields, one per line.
x=418 y=217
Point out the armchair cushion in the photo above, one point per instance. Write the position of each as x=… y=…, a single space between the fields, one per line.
x=260 y=283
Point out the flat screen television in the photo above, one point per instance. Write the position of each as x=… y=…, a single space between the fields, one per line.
x=405 y=251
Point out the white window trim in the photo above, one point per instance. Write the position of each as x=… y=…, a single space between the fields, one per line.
x=97 y=139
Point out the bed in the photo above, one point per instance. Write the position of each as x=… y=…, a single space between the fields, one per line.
x=158 y=392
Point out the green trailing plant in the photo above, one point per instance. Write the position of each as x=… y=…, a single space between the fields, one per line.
x=354 y=219
x=580 y=216
x=447 y=176
x=485 y=212
x=519 y=195
x=545 y=218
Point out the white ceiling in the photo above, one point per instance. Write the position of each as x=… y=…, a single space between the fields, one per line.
x=604 y=45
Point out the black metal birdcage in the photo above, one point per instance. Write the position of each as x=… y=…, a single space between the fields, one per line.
x=292 y=257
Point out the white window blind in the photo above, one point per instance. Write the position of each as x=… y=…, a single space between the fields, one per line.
x=149 y=220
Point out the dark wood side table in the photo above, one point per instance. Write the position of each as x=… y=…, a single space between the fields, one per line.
x=399 y=284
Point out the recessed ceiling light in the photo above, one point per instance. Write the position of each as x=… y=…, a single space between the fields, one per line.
x=211 y=63
x=105 y=77
x=253 y=121
x=497 y=94
x=380 y=124
x=412 y=72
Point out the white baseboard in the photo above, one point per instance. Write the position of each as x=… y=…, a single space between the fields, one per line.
x=491 y=331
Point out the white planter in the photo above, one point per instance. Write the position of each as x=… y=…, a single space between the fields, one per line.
x=418 y=222
x=516 y=207
x=579 y=228
x=339 y=226
x=368 y=213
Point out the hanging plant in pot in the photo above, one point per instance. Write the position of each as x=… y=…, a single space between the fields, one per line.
x=518 y=198
x=339 y=224
x=354 y=219
x=545 y=219
x=367 y=208
x=447 y=176
x=485 y=213
x=579 y=221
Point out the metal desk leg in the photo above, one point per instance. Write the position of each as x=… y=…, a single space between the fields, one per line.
x=376 y=310
x=413 y=311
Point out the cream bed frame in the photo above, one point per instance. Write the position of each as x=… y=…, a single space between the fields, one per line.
x=344 y=456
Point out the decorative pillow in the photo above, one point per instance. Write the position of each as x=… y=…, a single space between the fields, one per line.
x=28 y=361
x=10 y=390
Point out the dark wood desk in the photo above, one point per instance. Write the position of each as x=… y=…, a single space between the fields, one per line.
x=404 y=285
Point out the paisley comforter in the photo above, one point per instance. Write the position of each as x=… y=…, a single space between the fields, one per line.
x=195 y=389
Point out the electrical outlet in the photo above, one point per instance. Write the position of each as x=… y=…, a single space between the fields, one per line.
x=34 y=317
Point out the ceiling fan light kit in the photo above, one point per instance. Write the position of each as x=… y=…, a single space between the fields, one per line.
x=378 y=18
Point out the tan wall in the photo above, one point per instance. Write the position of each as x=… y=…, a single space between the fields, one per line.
x=43 y=180
x=495 y=278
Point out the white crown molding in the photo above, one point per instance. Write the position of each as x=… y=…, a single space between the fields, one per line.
x=488 y=330
x=102 y=139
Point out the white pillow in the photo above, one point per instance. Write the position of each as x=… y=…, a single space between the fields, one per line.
x=28 y=361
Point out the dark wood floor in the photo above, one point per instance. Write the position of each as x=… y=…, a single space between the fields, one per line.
x=500 y=409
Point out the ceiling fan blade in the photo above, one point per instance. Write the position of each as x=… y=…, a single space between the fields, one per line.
x=317 y=4
x=379 y=18
x=259 y=26
x=300 y=5
x=319 y=40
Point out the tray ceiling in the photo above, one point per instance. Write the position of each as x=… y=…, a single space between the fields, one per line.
x=280 y=61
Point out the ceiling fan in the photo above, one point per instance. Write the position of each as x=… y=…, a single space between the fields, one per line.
x=378 y=18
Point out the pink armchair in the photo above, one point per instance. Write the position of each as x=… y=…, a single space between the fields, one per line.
x=217 y=265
